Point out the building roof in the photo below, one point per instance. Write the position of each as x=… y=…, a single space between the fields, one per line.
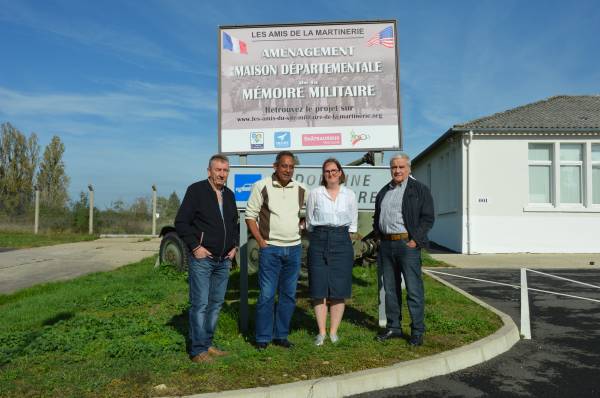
x=561 y=112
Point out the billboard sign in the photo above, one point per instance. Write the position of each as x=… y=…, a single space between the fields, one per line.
x=309 y=88
x=365 y=181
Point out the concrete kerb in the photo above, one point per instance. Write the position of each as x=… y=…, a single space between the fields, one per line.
x=397 y=375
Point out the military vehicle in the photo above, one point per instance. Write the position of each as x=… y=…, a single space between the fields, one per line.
x=173 y=250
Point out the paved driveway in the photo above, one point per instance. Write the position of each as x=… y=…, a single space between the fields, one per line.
x=27 y=267
x=561 y=360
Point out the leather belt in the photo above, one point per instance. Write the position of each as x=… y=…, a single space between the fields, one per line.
x=401 y=236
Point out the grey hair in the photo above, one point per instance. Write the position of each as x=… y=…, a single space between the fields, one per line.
x=400 y=155
x=217 y=156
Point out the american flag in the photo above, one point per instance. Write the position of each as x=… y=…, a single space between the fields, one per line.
x=385 y=38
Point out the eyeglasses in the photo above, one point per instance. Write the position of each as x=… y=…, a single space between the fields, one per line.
x=332 y=171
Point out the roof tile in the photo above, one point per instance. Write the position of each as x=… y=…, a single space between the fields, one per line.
x=563 y=112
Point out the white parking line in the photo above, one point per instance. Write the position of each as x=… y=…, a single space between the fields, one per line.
x=565 y=279
x=515 y=286
x=476 y=279
x=525 y=319
x=563 y=294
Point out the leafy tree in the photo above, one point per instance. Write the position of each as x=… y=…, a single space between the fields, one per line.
x=18 y=162
x=52 y=179
x=173 y=204
x=118 y=206
x=81 y=212
x=167 y=208
x=141 y=207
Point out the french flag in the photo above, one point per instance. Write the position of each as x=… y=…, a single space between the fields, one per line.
x=234 y=45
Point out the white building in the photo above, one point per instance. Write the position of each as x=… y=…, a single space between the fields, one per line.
x=523 y=180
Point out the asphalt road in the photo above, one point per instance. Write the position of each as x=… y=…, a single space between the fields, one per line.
x=561 y=360
x=27 y=267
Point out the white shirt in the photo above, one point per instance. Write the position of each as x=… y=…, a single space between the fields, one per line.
x=321 y=210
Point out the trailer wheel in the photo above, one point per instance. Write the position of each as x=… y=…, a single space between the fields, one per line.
x=173 y=252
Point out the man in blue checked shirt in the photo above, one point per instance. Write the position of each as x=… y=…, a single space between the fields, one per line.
x=403 y=217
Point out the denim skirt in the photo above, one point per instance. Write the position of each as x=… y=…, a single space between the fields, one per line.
x=330 y=260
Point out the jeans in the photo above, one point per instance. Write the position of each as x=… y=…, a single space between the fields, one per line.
x=396 y=260
x=208 y=283
x=279 y=267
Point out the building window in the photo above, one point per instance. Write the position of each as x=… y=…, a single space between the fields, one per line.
x=540 y=173
x=596 y=174
x=571 y=176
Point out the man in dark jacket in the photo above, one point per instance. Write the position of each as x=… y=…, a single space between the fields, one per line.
x=403 y=217
x=207 y=222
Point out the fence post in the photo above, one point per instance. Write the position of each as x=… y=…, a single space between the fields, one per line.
x=91 y=220
x=36 y=226
x=154 y=209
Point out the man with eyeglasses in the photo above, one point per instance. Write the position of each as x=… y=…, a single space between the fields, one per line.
x=273 y=218
x=403 y=217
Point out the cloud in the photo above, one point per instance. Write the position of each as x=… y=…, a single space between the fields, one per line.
x=136 y=101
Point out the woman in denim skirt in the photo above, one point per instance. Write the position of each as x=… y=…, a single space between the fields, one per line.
x=331 y=215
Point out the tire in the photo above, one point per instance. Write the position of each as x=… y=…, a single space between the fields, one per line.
x=174 y=252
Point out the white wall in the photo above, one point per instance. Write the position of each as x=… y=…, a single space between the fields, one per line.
x=502 y=221
x=444 y=180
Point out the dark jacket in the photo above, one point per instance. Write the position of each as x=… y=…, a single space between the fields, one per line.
x=417 y=211
x=199 y=222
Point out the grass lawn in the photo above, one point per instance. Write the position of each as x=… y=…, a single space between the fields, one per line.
x=120 y=333
x=22 y=240
x=429 y=261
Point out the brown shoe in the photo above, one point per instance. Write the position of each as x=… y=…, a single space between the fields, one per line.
x=214 y=351
x=203 y=357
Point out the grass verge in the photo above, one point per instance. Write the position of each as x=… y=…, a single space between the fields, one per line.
x=22 y=240
x=429 y=261
x=119 y=333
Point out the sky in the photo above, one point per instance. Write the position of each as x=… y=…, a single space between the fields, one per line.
x=130 y=87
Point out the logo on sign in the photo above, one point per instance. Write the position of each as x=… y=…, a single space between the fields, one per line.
x=257 y=140
x=282 y=139
x=242 y=185
x=355 y=137
x=321 y=139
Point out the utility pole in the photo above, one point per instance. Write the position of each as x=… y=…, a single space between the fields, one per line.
x=91 y=219
x=37 y=210
x=153 y=209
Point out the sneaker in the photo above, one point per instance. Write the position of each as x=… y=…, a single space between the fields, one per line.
x=319 y=340
x=334 y=338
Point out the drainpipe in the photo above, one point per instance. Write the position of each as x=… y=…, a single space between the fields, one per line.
x=467 y=143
